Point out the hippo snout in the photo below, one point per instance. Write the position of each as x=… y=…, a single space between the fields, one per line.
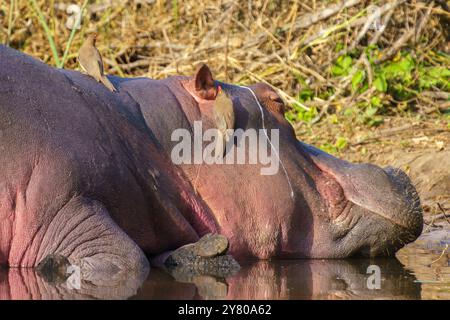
x=411 y=215
x=381 y=207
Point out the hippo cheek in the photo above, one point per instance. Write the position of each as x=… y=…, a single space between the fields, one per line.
x=382 y=210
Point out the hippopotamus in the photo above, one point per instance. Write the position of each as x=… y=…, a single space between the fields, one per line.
x=87 y=174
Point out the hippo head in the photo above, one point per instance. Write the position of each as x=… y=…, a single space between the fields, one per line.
x=314 y=205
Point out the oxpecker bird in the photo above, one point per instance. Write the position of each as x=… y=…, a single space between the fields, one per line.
x=91 y=61
x=224 y=119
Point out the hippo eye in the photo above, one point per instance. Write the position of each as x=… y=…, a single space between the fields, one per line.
x=275 y=103
x=277 y=99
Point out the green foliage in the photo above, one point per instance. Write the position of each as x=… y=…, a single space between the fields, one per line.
x=341 y=143
x=72 y=36
x=335 y=148
x=342 y=66
x=395 y=82
x=59 y=62
x=405 y=78
x=301 y=115
x=48 y=33
x=380 y=83
x=298 y=114
x=434 y=77
x=175 y=11
x=400 y=70
x=358 y=79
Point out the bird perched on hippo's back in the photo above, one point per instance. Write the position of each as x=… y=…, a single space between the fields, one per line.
x=91 y=61
x=224 y=120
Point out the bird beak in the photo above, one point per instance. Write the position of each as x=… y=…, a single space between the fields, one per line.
x=219 y=90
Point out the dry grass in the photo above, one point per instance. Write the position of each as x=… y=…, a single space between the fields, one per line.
x=288 y=44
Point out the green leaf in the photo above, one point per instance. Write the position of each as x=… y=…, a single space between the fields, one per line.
x=305 y=95
x=375 y=101
x=401 y=69
x=434 y=76
x=328 y=148
x=380 y=83
x=357 y=79
x=342 y=66
x=346 y=62
x=341 y=143
x=371 y=111
x=337 y=71
x=439 y=72
x=339 y=46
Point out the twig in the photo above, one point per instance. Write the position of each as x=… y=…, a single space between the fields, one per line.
x=10 y=19
x=443 y=212
x=322 y=34
x=389 y=8
x=407 y=35
x=283 y=94
x=376 y=15
x=442 y=254
x=227 y=41
x=384 y=133
x=385 y=23
x=439 y=95
x=226 y=15
x=111 y=17
x=129 y=66
x=340 y=88
x=306 y=20
x=166 y=38
x=436 y=217
x=309 y=19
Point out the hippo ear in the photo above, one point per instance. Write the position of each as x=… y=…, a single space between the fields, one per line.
x=204 y=83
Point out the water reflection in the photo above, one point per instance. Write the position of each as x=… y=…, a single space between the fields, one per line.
x=429 y=260
x=292 y=279
x=26 y=284
x=421 y=271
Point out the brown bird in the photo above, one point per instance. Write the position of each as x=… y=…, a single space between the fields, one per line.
x=224 y=118
x=91 y=61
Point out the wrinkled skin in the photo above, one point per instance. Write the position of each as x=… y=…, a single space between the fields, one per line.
x=86 y=174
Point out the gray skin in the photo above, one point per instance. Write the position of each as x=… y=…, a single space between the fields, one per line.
x=86 y=175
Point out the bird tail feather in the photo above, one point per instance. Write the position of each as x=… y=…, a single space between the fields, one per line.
x=220 y=145
x=108 y=84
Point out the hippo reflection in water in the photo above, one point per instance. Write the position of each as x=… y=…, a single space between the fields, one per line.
x=86 y=178
x=280 y=279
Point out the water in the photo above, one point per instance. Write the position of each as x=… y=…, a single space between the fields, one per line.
x=421 y=271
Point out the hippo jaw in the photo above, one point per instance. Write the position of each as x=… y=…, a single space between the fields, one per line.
x=377 y=211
